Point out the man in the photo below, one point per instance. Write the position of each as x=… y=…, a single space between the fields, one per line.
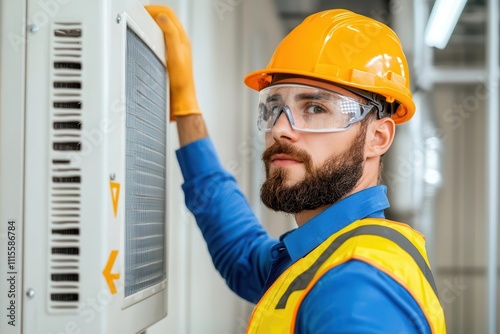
x=328 y=104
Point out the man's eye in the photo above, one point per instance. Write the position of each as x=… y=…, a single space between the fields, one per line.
x=314 y=109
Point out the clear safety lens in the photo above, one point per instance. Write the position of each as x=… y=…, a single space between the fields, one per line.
x=309 y=109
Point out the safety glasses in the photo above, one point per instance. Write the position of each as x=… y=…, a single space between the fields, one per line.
x=309 y=109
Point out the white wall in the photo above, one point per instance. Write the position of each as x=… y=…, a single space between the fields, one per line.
x=229 y=39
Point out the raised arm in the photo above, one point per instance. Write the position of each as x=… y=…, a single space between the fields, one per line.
x=238 y=244
x=184 y=106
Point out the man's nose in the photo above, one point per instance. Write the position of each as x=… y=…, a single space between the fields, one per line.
x=282 y=127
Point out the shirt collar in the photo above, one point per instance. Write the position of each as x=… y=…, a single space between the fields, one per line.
x=369 y=202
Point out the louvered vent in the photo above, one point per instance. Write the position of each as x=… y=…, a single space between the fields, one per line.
x=145 y=164
x=65 y=186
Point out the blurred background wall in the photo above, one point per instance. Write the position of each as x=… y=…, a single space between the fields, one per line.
x=439 y=171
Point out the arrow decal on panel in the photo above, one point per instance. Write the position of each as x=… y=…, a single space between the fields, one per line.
x=110 y=278
x=115 y=195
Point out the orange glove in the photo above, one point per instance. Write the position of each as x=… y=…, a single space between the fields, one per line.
x=179 y=63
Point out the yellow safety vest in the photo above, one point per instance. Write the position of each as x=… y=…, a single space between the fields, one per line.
x=391 y=247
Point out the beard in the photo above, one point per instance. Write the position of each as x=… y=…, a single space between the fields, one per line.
x=324 y=185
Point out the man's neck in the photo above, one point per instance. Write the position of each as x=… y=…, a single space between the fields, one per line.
x=303 y=217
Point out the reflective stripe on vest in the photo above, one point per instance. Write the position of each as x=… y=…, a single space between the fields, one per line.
x=372 y=241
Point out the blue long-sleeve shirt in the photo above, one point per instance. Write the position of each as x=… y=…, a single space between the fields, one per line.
x=354 y=297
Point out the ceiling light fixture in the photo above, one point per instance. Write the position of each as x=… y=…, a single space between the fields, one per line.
x=442 y=22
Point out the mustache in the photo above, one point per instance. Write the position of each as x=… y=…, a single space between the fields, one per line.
x=280 y=147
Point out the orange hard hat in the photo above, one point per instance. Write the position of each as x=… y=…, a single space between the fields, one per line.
x=344 y=48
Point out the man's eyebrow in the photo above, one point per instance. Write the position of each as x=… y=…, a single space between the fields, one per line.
x=274 y=97
x=312 y=96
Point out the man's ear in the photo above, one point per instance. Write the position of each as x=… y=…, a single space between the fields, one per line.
x=379 y=136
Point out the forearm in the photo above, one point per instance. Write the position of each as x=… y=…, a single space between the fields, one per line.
x=190 y=128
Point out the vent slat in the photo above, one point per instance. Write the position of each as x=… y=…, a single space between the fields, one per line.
x=66 y=195
x=66 y=135
x=67 y=105
x=65 y=261
x=66 y=250
x=64 y=286
x=69 y=75
x=65 y=267
x=73 y=307
x=68 y=65
x=64 y=297
x=68 y=48
x=65 y=215
x=66 y=179
x=68 y=33
x=69 y=55
x=67 y=231
x=57 y=208
x=67 y=146
x=57 y=240
x=65 y=202
x=59 y=169
x=68 y=84
x=58 y=162
x=66 y=94
x=67 y=114
x=67 y=42
x=67 y=125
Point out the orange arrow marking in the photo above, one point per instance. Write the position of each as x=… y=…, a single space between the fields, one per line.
x=115 y=195
x=107 y=272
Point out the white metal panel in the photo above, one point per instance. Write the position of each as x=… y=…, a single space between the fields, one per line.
x=98 y=309
x=12 y=57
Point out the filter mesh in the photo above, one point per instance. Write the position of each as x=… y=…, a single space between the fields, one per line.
x=145 y=175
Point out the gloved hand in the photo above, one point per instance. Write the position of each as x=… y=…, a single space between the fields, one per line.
x=179 y=62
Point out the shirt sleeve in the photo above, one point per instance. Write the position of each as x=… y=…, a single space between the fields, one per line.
x=237 y=242
x=355 y=298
